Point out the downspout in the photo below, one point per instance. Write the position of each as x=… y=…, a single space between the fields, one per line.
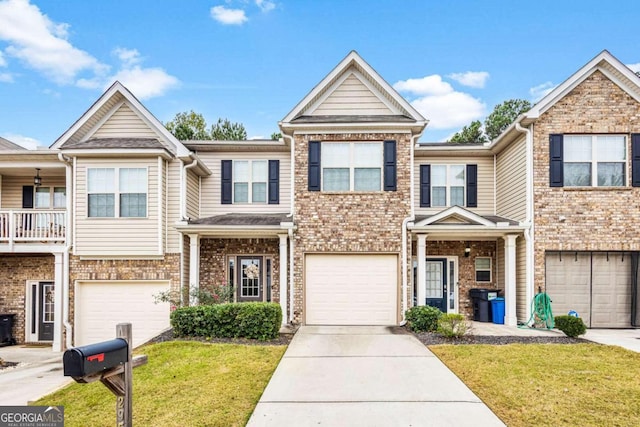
x=528 y=233
x=183 y=188
x=290 y=232
x=405 y=222
x=65 y=256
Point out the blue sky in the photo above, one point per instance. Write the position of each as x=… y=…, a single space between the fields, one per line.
x=251 y=61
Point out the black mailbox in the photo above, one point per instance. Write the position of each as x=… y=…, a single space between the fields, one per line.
x=89 y=359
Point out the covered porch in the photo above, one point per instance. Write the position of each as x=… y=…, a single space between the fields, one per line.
x=457 y=250
x=249 y=253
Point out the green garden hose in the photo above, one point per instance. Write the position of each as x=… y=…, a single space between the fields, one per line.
x=541 y=311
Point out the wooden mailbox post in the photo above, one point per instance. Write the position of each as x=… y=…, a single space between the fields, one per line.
x=112 y=364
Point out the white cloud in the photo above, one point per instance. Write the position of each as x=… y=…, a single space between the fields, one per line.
x=445 y=107
x=42 y=44
x=476 y=79
x=540 y=91
x=128 y=57
x=228 y=16
x=24 y=141
x=3 y=62
x=265 y=5
x=634 y=67
x=145 y=83
x=6 y=78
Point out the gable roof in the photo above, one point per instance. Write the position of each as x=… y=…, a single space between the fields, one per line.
x=5 y=144
x=604 y=62
x=382 y=103
x=105 y=107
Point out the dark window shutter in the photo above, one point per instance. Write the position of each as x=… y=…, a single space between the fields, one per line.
x=314 y=166
x=390 y=166
x=472 y=186
x=635 y=159
x=227 y=182
x=556 y=166
x=274 y=182
x=425 y=186
x=27 y=197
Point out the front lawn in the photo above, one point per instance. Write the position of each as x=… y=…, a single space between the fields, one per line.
x=184 y=384
x=551 y=384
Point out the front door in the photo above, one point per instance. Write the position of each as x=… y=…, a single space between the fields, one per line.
x=249 y=279
x=436 y=283
x=45 y=310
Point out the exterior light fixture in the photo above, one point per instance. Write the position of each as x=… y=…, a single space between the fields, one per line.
x=467 y=250
x=37 y=180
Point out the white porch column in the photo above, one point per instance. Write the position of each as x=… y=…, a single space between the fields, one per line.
x=422 y=269
x=283 y=276
x=510 y=317
x=58 y=287
x=194 y=266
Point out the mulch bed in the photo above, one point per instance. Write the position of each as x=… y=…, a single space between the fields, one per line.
x=283 y=339
x=430 y=338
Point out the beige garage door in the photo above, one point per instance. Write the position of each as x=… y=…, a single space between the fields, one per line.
x=100 y=306
x=595 y=284
x=351 y=289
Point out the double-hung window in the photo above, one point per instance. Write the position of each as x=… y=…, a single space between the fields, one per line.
x=594 y=160
x=352 y=166
x=483 y=269
x=447 y=185
x=121 y=190
x=250 y=179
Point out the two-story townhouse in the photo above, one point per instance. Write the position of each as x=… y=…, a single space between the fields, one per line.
x=346 y=220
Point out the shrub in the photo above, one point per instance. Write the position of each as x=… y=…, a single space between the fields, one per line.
x=570 y=325
x=452 y=325
x=423 y=318
x=220 y=294
x=256 y=320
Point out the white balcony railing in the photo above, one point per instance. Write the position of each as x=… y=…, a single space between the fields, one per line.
x=32 y=226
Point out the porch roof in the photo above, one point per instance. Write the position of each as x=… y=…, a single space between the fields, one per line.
x=238 y=225
x=456 y=223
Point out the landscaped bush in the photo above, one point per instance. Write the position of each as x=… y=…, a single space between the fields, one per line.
x=423 y=318
x=452 y=325
x=570 y=325
x=256 y=320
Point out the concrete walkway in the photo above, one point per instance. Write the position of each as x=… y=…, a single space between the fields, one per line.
x=369 y=376
x=39 y=373
x=625 y=338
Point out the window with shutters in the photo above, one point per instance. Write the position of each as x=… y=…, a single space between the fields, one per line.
x=594 y=160
x=447 y=185
x=352 y=166
x=250 y=181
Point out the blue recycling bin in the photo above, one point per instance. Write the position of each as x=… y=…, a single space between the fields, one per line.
x=497 y=309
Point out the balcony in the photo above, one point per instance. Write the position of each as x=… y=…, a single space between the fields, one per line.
x=32 y=227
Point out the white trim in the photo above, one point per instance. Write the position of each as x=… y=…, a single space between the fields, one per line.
x=58 y=287
x=510 y=286
x=194 y=266
x=160 y=204
x=283 y=276
x=456 y=211
x=421 y=276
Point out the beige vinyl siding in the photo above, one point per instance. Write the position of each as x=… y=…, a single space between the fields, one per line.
x=521 y=279
x=124 y=123
x=193 y=195
x=211 y=186
x=351 y=97
x=12 y=189
x=173 y=205
x=511 y=181
x=485 y=182
x=116 y=237
x=94 y=119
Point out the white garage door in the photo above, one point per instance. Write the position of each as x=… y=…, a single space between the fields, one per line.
x=100 y=306
x=351 y=289
x=595 y=284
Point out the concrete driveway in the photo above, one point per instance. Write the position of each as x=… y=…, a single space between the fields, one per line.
x=351 y=376
x=39 y=373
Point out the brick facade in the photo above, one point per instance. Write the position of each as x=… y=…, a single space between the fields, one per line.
x=595 y=218
x=466 y=267
x=348 y=222
x=15 y=270
x=213 y=260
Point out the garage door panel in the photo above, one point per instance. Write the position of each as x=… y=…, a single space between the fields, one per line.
x=351 y=289
x=568 y=284
x=100 y=306
x=611 y=290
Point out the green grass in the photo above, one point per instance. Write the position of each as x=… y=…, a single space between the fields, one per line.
x=184 y=384
x=551 y=384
